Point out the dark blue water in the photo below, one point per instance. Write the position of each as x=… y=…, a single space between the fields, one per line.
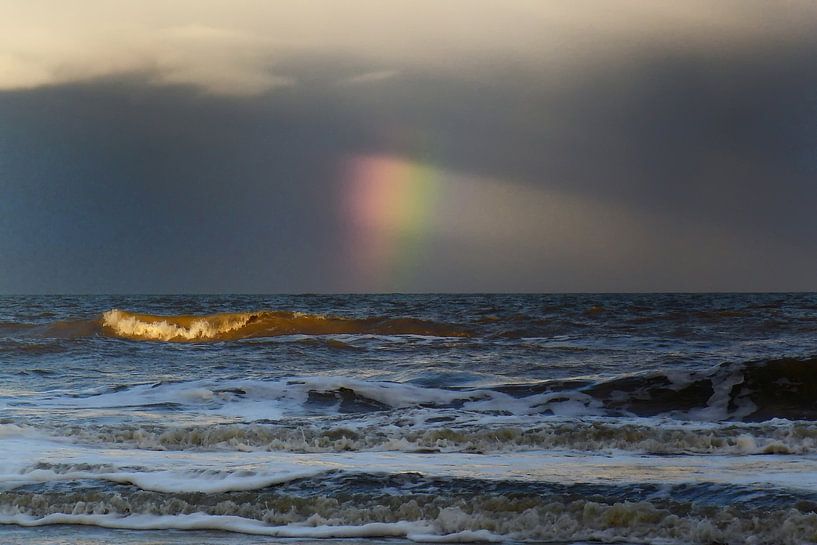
x=422 y=417
x=515 y=338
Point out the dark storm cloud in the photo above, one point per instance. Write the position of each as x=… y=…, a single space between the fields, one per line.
x=727 y=138
x=119 y=184
x=678 y=168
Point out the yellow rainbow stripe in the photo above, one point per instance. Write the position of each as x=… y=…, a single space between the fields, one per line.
x=390 y=205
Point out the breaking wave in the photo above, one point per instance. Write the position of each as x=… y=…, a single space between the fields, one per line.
x=744 y=392
x=243 y=325
x=430 y=510
x=450 y=436
x=752 y=391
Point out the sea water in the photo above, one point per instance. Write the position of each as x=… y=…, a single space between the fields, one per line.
x=426 y=418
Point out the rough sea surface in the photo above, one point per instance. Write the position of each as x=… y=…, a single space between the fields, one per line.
x=413 y=418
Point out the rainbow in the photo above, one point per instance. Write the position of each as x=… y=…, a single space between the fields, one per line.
x=390 y=206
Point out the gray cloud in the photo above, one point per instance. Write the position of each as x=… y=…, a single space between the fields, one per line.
x=677 y=157
x=235 y=48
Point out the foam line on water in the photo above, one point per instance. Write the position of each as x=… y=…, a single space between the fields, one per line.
x=226 y=523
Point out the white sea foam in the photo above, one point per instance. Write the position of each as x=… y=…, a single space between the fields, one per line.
x=462 y=432
x=250 y=400
x=643 y=522
x=200 y=521
x=208 y=482
x=26 y=460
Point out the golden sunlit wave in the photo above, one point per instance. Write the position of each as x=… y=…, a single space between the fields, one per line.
x=244 y=325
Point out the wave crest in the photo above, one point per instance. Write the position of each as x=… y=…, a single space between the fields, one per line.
x=243 y=325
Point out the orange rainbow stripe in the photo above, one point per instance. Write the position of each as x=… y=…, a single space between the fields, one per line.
x=390 y=205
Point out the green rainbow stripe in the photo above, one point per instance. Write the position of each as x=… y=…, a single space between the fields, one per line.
x=391 y=203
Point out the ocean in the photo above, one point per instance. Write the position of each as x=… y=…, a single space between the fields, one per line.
x=354 y=419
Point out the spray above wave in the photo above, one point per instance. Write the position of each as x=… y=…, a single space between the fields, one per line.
x=245 y=325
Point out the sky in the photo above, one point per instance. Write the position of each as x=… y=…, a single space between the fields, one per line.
x=407 y=146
